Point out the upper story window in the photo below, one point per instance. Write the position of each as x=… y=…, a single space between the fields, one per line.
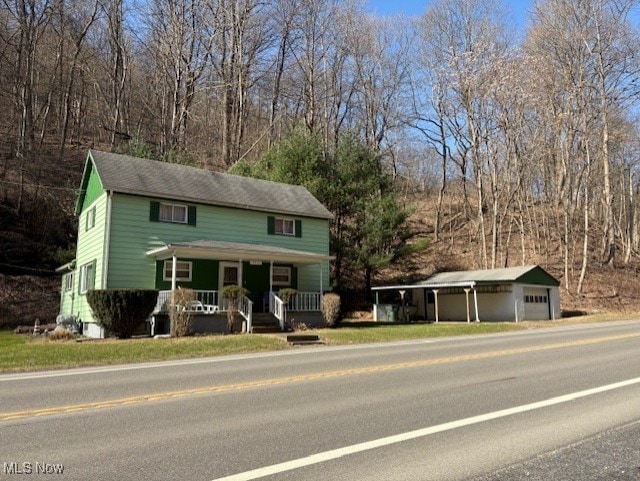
x=284 y=226
x=91 y=218
x=173 y=213
x=68 y=281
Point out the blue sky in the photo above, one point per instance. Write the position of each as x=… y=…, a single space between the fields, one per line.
x=416 y=7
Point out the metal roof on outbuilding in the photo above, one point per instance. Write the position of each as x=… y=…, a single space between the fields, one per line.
x=151 y=178
x=531 y=274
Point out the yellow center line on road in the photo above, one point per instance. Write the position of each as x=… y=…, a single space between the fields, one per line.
x=10 y=416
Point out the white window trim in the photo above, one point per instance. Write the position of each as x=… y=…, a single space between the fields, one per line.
x=91 y=218
x=281 y=283
x=168 y=268
x=85 y=276
x=283 y=220
x=68 y=282
x=173 y=216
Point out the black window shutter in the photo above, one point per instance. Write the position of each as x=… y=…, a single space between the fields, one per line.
x=298 y=228
x=271 y=225
x=191 y=216
x=154 y=211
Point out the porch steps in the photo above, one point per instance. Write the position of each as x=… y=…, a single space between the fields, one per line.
x=301 y=339
x=264 y=323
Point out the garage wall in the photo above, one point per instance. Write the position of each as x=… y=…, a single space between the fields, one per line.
x=491 y=307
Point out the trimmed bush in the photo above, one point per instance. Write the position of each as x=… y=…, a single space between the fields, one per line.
x=232 y=294
x=120 y=311
x=330 y=309
x=179 y=312
x=61 y=335
x=286 y=295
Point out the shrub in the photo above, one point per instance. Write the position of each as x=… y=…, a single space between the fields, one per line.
x=330 y=309
x=286 y=295
x=299 y=326
x=179 y=314
x=61 y=335
x=120 y=311
x=232 y=294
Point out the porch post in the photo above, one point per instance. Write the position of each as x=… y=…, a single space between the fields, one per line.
x=475 y=301
x=270 y=284
x=240 y=272
x=321 y=288
x=173 y=272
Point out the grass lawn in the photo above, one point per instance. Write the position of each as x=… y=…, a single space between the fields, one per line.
x=26 y=353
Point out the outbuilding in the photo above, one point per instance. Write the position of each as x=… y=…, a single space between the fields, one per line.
x=507 y=294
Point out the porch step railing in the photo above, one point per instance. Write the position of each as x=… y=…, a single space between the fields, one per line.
x=276 y=307
x=245 y=308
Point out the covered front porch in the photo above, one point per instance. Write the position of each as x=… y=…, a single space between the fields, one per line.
x=208 y=266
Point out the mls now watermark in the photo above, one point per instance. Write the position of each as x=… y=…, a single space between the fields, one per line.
x=32 y=468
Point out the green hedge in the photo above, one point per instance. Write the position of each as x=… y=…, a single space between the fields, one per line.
x=120 y=311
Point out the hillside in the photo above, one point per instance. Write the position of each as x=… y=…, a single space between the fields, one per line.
x=29 y=286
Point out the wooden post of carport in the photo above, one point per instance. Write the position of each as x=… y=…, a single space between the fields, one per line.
x=466 y=292
x=475 y=302
x=435 y=298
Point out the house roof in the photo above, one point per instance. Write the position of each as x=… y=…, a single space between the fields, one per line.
x=151 y=178
x=220 y=250
x=531 y=274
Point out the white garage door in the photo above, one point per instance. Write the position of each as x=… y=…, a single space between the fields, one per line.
x=536 y=303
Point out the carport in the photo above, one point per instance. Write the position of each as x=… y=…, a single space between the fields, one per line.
x=507 y=294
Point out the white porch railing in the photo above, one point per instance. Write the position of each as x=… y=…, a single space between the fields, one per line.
x=305 y=301
x=209 y=298
x=302 y=301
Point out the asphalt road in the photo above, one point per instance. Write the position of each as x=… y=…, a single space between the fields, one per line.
x=556 y=404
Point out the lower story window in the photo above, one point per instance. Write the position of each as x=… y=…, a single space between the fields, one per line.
x=281 y=276
x=68 y=281
x=183 y=270
x=86 y=277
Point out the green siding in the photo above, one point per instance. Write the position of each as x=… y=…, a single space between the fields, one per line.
x=132 y=235
x=256 y=280
x=204 y=275
x=91 y=249
x=67 y=297
x=93 y=190
x=538 y=276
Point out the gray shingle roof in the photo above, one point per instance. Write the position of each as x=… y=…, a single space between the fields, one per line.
x=132 y=175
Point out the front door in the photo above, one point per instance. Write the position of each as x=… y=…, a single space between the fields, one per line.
x=229 y=274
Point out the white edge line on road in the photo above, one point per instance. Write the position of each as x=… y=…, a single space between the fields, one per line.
x=398 y=438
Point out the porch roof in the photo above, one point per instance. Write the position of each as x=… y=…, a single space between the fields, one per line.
x=234 y=251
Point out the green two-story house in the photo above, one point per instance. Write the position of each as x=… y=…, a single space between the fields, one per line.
x=149 y=224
